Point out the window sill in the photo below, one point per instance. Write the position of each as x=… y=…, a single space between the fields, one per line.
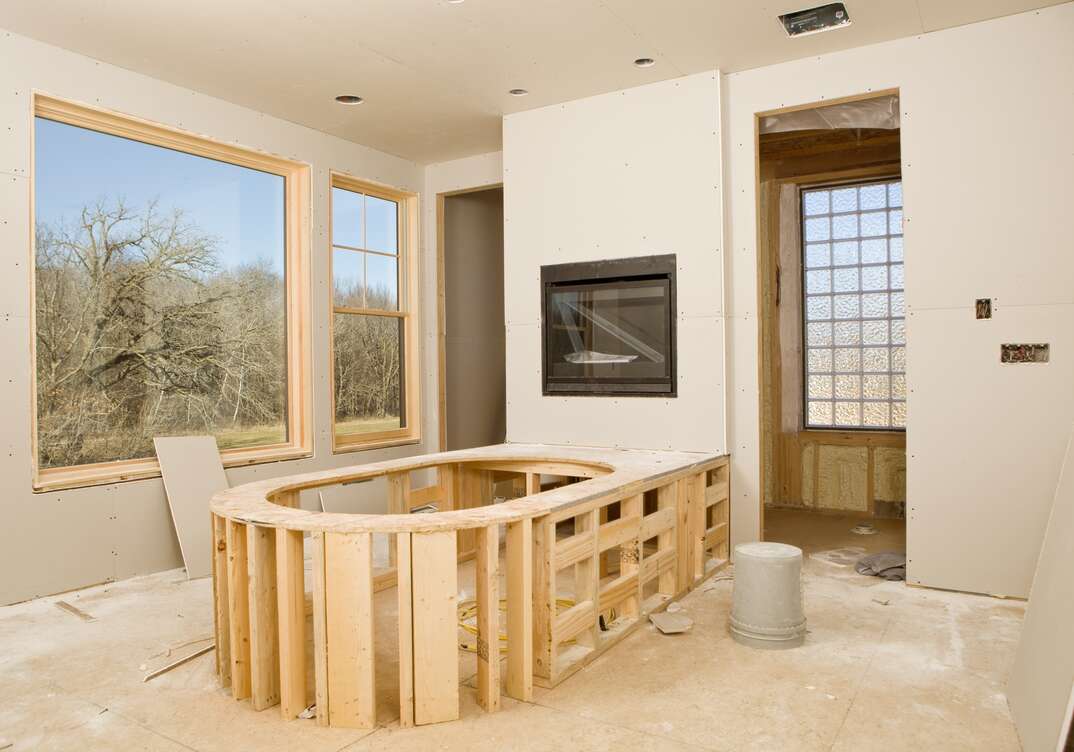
x=856 y=437
x=109 y=473
x=376 y=441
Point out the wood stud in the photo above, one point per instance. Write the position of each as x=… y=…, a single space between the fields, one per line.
x=259 y=593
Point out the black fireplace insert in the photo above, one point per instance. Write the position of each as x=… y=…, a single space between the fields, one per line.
x=609 y=327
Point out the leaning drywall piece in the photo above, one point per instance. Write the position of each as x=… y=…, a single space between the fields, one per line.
x=1044 y=665
x=192 y=472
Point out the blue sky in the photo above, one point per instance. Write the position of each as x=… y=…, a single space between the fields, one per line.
x=241 y=208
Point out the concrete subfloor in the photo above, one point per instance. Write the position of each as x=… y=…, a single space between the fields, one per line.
x=884 y=667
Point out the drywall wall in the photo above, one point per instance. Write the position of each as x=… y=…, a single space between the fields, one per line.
x=1043 y=675
x=631 y=173
x=986 y=164
x=57 y=541
x=474 y=357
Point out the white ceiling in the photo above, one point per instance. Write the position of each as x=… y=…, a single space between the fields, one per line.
x=435 y=74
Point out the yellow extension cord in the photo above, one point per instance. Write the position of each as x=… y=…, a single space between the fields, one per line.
x=468 y=614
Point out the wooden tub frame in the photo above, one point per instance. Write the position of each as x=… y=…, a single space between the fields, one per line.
x=661 y=517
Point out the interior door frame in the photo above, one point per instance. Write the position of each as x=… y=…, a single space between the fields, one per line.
x=441 y=308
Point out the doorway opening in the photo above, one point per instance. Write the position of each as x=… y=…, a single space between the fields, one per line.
x=472 y=350
x=833 y=341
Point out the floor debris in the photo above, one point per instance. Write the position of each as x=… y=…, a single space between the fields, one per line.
x=76 y=611
x=890 y=565
x=671 y=623
x=310 y=712
x=180 y=662
x=863 y=528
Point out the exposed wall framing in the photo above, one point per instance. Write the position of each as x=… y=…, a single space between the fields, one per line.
x=616 y=537
x=856 y=472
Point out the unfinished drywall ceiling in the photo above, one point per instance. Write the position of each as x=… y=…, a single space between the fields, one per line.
x=121 y=530
x=984 y=439
x=435 y=74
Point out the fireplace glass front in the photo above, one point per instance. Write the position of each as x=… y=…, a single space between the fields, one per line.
x=609 y=327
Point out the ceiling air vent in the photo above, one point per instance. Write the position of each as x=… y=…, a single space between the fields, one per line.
x=815 y=20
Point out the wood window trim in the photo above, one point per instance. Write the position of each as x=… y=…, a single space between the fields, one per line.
x=297 y=287
x=408 y=312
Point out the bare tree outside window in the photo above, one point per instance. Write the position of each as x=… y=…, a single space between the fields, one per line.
x=368 y=327
x=159 y=298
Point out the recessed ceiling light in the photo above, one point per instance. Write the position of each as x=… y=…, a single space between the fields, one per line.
x=455 y=2
x=349 y=99
x=645 y=62
x=518 y=92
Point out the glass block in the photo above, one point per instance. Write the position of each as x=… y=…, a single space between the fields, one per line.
x=847 y=306
x=845 y=199
x=874 y=305
x=873 y=224
x=895 y=222
x=817 y=228
x=815 y=202
x=848 y=360
x=876 y=414
x=818 y=281
x=818 y=254
x=819 y=335
x=897 y=281
x=820 y=413
x=848 y=413
x=874 y=278
x=848 y=333
x=381 y=224
x=898 y=386
x=819 y=360
x=898 y=359
x=848 y=386
x=898 y=305
x=895 y=194
x=896 y=248
x=818 y=307
x=845 y=280
x=845 y=253
x=845 y=226
x=820 y=386
x=875 y=386
x=898 y=332
x=874 y=332
x=874 y=251
x=873 y=196
x=898 y=414
x=875 y=359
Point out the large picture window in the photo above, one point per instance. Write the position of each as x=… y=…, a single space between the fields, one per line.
x=855 y=331
x=373 y=347
x=169 y=281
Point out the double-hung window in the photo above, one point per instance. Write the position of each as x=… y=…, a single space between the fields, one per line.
x=374 y=389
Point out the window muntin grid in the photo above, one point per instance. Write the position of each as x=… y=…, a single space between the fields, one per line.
x=854 y=306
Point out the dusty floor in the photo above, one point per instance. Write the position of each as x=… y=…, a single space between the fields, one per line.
x=885 y=667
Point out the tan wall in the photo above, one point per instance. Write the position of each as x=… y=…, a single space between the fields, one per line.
x=475 y=370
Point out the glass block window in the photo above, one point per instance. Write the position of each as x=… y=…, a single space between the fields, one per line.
x=855 y=330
